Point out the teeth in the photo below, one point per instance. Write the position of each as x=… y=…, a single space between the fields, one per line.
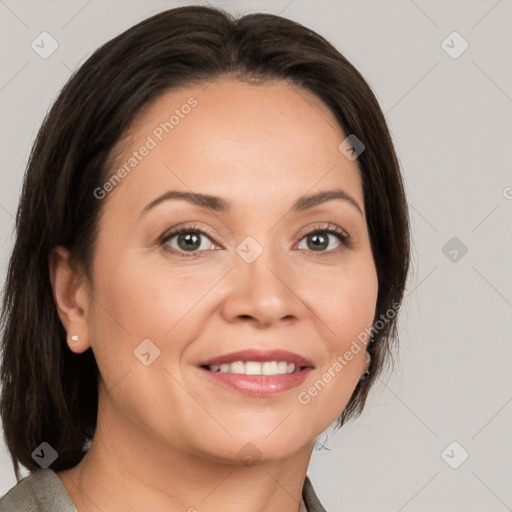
x=255 y=367
x=236 y=367
x=269 y=368
x=282 y=366
x=251 y=367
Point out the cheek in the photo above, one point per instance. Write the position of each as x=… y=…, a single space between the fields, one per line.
x=345 y=301
x=135 y=301
x=346 y=306
x=357 y=306
x=146 y=300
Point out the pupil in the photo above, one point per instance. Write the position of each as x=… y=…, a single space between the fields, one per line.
x=319 y=240
x=191 y=241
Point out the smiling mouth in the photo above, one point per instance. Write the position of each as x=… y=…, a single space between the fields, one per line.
x=255 y=367
x=258 y=372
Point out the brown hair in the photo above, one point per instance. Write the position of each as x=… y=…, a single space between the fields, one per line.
x=48 y=392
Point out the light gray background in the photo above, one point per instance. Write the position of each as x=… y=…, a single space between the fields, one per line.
x=451 y=124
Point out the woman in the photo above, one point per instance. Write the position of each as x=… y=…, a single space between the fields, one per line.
x=212 y=247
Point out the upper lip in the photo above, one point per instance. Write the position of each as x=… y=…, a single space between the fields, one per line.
x=261 y=356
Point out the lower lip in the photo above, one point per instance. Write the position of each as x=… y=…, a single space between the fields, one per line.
x=259 y=385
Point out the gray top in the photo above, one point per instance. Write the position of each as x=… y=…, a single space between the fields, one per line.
x=42 y=491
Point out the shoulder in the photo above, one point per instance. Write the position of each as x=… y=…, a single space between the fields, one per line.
x=41 y=491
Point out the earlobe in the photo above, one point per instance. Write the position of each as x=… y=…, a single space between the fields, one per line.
x=368 y=359
x=69 y=296
x=77 y=343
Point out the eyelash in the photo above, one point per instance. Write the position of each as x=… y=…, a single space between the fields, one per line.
x=342 y=236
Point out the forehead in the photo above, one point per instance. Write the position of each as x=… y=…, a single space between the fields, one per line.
x=230 y=137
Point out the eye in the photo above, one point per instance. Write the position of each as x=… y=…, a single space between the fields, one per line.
x=191 y=241
x=321 y=239
x=187 y=239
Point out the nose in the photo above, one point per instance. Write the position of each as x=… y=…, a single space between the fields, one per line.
x=262 y=292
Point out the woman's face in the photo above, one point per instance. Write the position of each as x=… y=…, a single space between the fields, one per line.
x=257 y=279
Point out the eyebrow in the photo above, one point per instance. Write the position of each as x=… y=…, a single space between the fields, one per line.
x=218 y=204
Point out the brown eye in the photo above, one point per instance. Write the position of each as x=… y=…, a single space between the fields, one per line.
x=187 y=240
x=317 y=241
x=322 y=240
x=190 y=241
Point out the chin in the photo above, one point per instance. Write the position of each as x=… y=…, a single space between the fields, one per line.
x=260 y=448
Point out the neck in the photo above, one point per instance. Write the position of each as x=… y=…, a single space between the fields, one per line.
x=125 y=469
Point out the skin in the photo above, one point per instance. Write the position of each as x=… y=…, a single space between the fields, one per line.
x=167 y=437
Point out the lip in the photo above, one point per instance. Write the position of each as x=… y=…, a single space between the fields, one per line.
x=258 y=385
x=260 y=356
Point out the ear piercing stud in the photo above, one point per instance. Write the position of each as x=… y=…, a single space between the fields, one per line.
x=74 y=337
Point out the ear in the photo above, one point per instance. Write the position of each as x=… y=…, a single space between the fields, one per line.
x=368 y=359
x=71 y=299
